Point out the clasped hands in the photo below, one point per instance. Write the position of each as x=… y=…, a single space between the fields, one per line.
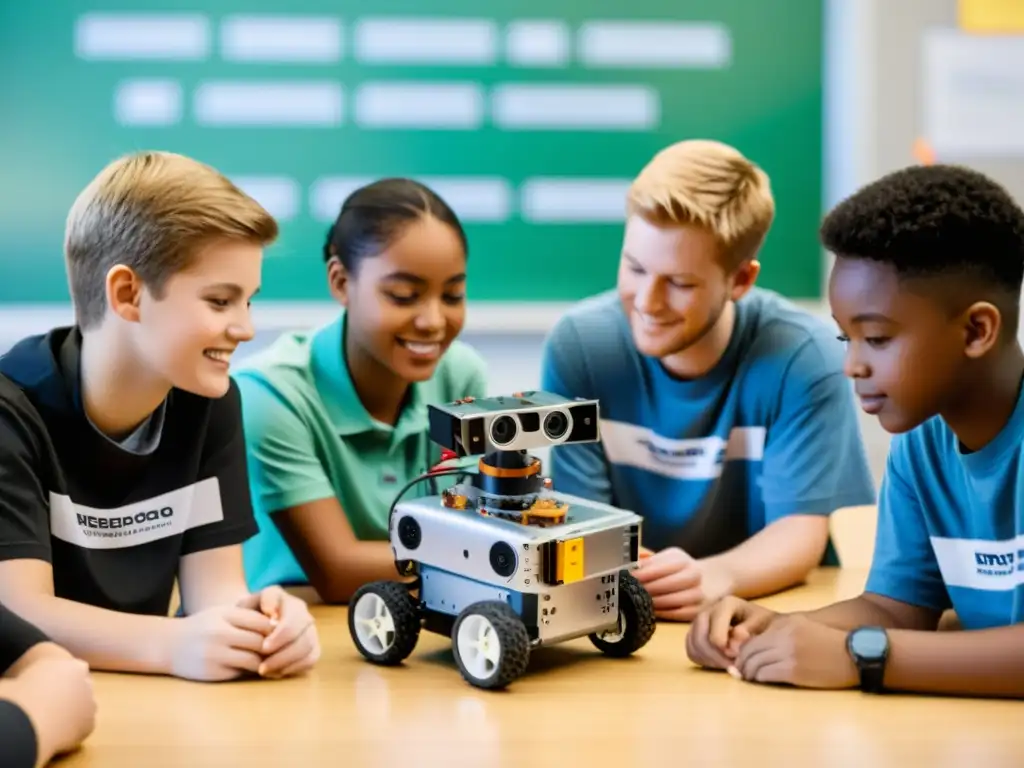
x=728 y=633
x=759 y=645
x=270 y=634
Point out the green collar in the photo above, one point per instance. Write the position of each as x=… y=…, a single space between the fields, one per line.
x=338 y=393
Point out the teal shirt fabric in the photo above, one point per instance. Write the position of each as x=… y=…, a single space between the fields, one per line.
x=308 y=437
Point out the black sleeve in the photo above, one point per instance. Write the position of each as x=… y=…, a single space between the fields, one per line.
x=24 y=501
x=16 y=637
x=17 y=737
x=224 y=458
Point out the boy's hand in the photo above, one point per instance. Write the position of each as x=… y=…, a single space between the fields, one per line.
x=220 y=643
x=679 y=584
x=721 y=630
x=801 y=652
x=56 y=692
x=293 y=645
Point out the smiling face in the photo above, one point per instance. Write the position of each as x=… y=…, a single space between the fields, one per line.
x=406 y=304
x=187 y=335
x=673 y=285
x=906 y=349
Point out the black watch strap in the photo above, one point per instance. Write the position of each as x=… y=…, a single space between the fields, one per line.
x=869 y=649
x=872 y=674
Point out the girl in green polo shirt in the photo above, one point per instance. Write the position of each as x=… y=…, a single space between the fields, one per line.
x=336 y=418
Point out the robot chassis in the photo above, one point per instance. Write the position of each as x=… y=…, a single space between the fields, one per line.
x=503 y=564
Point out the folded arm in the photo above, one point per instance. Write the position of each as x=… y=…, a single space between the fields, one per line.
x=33 y=726
x=291 y=486
x=334 y=560
x=987 y=662
x=211 y=577
x=107 y=640
x=21 y=643
x=17 y=732
x=775 y=558
x=814 y=463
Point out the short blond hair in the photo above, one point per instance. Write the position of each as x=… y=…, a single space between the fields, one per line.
x=709 y=184
x=152 y=211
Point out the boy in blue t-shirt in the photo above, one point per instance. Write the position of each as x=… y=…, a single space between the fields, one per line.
x=727 y=422
x=926 y=286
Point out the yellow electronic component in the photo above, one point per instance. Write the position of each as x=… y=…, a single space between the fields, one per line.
x=569 y=560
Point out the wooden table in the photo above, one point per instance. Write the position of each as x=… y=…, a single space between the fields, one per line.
x=574 y=709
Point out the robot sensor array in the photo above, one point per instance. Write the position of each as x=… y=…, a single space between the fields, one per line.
x=502 y=430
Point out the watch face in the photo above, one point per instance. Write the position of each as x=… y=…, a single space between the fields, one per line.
x=869 y=643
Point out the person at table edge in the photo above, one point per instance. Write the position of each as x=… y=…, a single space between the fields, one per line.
x=726 y=420
x=926 y=288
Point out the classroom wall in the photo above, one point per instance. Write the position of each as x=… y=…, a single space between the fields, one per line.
x=902 y=71
x=511 y=345
x=962 y=92
x=909 y=73
x=875 y=108
x=773 y=117
x=529 y=117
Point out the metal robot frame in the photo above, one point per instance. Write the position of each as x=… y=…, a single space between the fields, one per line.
x=501 y=562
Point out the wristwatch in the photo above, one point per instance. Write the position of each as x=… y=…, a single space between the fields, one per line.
x=869 y=648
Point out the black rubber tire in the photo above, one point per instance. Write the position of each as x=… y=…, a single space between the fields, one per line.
x=513 y=643
x=404 y=613
x=636 y=611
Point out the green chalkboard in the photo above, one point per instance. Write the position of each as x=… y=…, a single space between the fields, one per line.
x=530 y=115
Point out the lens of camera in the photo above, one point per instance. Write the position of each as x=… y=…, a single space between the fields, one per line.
x=555 y=424
x=503 y=430
x=503 y=559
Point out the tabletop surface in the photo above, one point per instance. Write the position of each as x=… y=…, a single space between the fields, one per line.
x=574 y=707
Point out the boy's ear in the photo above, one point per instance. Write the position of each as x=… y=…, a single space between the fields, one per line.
x=124 y=292
x=338 y=280
x=983 y=322
x=744 y=277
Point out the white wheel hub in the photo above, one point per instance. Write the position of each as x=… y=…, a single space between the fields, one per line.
x=478 y=646
x=375 y=626
x=615 y=636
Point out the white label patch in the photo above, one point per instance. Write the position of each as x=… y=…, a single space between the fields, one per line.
x=699 y=458
x=994 y=566
x=137 y=523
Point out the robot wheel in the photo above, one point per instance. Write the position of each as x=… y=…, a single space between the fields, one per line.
x=490 y=644
x=384 y=622
x=636 y=620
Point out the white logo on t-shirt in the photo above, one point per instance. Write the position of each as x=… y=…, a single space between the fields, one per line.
x=697 y=458
x=980 y=564
x=137 y=523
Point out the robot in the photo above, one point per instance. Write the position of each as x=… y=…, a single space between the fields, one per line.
x=500 y=562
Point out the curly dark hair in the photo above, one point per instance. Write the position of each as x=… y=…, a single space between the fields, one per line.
x=933 y=220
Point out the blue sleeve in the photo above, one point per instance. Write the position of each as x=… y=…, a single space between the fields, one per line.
x=814 y=457
x=580 y=470
x=904 y=567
